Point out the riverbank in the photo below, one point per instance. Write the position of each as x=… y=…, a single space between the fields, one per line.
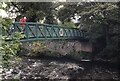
x=51 y=68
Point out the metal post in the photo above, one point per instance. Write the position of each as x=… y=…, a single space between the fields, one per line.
x=27 y=31
x=52 y=32
x=44 y=31
x=36 y=30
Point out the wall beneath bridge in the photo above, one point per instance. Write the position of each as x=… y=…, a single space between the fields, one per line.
x=63 y=47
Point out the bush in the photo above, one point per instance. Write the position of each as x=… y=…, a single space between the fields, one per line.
x=9 y=49
x=36 y=47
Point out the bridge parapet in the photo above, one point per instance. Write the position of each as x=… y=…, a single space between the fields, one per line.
x=36 y=31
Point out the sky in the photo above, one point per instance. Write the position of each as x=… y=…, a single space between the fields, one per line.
x=3 y=13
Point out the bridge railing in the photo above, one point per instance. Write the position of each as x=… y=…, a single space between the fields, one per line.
x=36 y=31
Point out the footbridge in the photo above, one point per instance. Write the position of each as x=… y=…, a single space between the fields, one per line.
x=36 y=32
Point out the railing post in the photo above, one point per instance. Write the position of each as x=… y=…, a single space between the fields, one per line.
x=44 y=31
x=73 y=33
x=79 y=33
x=58 y=34
x=83 y=34
x=63 y=29
x=36 y=30
x=70 y=33
x=52 y=32
x=26 y=31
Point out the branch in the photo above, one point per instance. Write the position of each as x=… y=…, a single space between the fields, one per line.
x=16 y=6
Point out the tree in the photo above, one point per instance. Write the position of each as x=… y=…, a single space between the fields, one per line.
x=101 y=21
x=35 y=11
x=67 y=11
x=8 y=50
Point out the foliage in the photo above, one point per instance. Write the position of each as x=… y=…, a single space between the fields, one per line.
x=68 y=24
x=50 y=19
x=11 y=80
x=67 y=11
x=8 y=49
x=101 y=20
x=6 y=22
x=37 y=47
x=35 y=11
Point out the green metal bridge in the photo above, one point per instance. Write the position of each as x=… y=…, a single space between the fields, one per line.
x=36 y=31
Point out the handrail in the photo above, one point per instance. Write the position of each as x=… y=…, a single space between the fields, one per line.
x=34 y=23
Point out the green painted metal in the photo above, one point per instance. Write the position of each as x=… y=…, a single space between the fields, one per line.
x=36 y=31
